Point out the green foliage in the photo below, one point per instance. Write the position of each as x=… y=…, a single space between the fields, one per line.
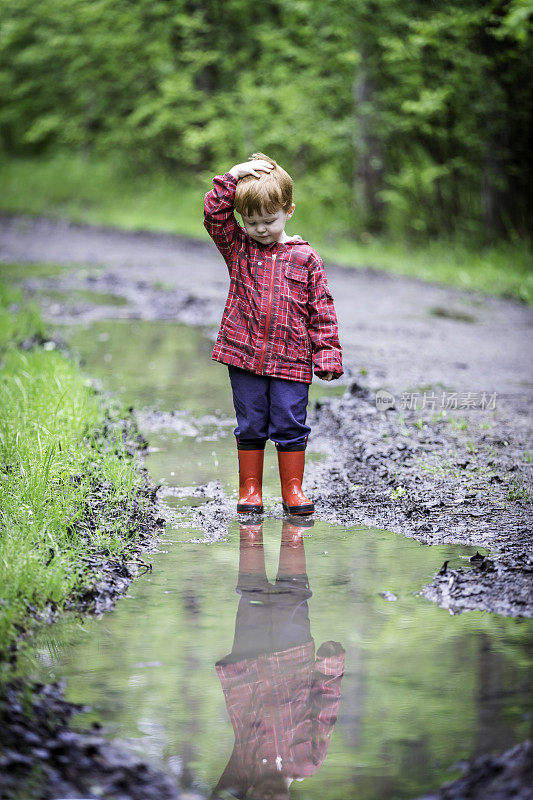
x=408 y=116
x=53 y=458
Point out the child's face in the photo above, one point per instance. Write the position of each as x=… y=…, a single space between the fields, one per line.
x=267 y=228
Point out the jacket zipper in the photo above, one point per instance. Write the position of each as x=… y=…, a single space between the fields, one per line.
x=269 y=312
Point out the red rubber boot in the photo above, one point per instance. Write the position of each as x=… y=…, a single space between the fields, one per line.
x=291 y=472
x=250 y=481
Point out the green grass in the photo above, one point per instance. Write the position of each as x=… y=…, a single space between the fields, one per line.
x=103 y=192
x=518 y=490
x=59 y=447
x=17 y=273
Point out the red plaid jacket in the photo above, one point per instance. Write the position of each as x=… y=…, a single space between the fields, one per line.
x=279 y=318
x=282 y=707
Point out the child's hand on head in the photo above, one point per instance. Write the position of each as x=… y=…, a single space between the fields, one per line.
x=251 y=168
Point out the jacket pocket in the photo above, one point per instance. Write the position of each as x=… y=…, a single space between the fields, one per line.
x=296 y=282
x=296 y=273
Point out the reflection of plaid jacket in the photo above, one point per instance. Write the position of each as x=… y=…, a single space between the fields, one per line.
x=281 y=705
x=279 y=317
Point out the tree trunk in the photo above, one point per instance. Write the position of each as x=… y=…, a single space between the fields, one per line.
x=368 y=153
x=491 y=200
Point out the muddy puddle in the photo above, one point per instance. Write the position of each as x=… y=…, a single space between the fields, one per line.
x=421 y=690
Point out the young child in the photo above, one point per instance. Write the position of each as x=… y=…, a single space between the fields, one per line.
x=279 y=324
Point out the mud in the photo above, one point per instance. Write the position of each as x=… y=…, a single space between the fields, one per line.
x=431 y=480
x=41 y=755
x=141 y=520
x=508 y=776
x=66 y=298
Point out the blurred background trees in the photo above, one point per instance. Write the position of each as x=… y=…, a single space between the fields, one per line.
x=409 y=116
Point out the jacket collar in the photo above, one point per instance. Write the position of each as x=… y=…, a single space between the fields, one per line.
x=296 y=239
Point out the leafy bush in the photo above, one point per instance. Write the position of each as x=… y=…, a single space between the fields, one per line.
x=418 y=112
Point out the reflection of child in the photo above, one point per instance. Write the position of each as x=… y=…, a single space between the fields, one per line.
x=279 y=324
x=282 y=702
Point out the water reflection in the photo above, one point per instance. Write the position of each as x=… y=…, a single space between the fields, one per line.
x=282 y=700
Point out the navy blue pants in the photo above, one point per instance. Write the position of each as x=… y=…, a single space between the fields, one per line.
x=269 y=408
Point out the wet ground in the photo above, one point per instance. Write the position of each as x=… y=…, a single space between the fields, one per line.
x=450 y=461
x=422 y=689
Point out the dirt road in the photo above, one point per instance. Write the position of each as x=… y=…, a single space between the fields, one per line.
x=463 y=476
x=404 y=332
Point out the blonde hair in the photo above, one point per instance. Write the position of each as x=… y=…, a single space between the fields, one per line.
x=269 y=193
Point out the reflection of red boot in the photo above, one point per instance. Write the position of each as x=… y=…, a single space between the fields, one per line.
x=251 y=535
x=250 y=481
x=291 y=472
x=251 y=551
x=292 y=532
x=292 y=553
x=291 y=567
